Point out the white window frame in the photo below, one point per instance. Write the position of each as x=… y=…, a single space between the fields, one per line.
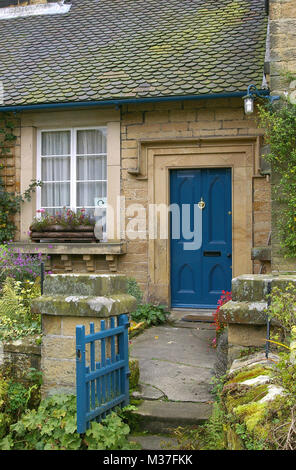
x=73 y=159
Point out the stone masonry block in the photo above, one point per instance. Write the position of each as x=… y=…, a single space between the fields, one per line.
x=247 y=335
x=253 y=313
x=55 y=347
x=51 y=325
x=85 y=284
x=250 y=287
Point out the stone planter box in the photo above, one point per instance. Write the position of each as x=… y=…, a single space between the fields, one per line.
x=61 y=233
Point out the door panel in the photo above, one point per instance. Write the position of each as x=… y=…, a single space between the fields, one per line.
x=199 y=276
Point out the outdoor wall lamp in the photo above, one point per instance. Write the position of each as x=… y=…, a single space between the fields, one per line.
x=252 y=94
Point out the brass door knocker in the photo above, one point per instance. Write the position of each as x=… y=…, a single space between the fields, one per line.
x=201 y=204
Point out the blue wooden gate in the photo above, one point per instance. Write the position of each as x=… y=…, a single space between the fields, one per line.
x=101 y=385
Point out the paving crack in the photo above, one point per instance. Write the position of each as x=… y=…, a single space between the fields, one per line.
x=180 y=363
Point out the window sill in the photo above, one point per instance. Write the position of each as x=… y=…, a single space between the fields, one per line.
x=102 y=248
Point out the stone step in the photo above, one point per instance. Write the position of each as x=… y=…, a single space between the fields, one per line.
x=85 y=284
x=157 y=416
x=154 y=442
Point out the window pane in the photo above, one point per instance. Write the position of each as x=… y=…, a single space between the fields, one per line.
x=91 y=142
x=55 y=169
x=55 y=194
x=57 y=211
x=56 y=143
x=92 y=168
x=87 y=192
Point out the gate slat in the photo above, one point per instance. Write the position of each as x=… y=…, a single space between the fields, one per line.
x=92 y=366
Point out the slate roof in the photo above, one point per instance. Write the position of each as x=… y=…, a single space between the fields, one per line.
x=117 y=49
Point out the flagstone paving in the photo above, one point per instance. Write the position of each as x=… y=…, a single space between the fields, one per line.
x=176 y=368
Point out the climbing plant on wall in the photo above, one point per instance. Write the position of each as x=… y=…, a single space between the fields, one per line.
x=10 y=201
x=280 y=126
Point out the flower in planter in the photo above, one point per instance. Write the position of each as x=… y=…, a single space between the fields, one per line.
x=66 y=219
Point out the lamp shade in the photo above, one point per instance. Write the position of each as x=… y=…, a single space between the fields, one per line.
x=249 y=104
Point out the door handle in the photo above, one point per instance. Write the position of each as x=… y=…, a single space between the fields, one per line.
x=229 y=255
x=201 y=204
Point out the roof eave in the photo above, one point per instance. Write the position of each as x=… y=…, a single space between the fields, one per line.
x=119 y=102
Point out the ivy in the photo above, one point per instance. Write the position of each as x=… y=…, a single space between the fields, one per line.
x=10 y=202
x=280 y=125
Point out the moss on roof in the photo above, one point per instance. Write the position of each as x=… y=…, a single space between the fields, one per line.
x=111 y=49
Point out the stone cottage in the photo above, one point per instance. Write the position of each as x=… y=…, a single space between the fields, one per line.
x=139 y=105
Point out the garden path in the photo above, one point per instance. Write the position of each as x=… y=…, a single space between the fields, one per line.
x=176 y=367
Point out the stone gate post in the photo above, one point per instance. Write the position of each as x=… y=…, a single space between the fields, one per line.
x=70 y=300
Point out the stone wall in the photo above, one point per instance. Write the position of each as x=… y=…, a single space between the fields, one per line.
x=20 y=355
x=282 y=60
x=246 y=314
x=282 y=43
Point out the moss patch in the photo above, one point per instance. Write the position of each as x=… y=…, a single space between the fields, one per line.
x=249 y=374
x=235 y=394
x=251 y=413
x=134 y=373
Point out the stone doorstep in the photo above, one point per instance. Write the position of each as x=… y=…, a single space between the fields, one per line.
x=156 y=416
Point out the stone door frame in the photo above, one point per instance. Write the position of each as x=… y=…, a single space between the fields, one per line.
x=241 y=155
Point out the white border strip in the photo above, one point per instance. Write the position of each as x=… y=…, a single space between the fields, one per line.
x=34 y=10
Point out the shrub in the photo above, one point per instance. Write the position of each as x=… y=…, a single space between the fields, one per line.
x=280 y=126
x=53 y=427
x=17 y=265
x=10 y=202
x=16 y=397
x=282 y=307
x=147 y=314
x=151 y=314
x=16 y=320
x=134 y=289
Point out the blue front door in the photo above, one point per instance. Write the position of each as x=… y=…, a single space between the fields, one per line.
x=198 y=276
